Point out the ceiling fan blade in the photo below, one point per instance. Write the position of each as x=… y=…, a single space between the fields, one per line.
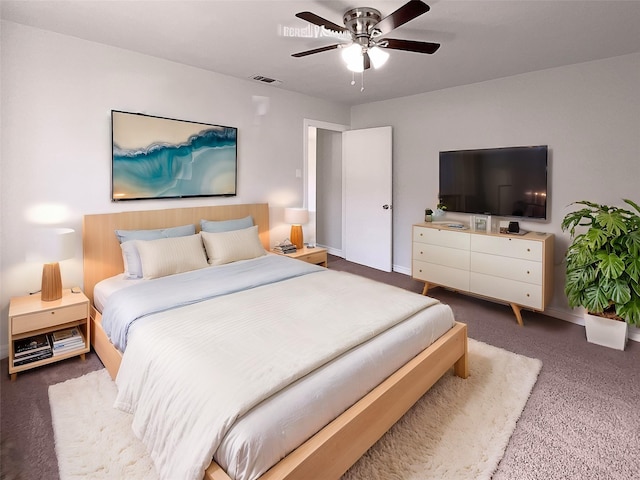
x=404 y=14
x=409 y=45
x=315 y=50
x=321 y=22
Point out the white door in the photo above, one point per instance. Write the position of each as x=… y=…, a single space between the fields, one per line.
x=367 y=222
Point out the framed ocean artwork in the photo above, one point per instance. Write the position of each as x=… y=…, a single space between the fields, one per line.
x=157 y=157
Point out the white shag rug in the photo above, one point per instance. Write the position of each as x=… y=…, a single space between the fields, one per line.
x=458 y=430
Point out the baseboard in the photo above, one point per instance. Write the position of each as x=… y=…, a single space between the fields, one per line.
x=400 y=269
x=333 y=251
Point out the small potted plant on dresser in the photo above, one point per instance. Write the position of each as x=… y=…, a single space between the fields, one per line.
x=603 y=269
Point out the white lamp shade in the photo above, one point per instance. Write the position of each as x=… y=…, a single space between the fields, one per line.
x=296 y=216
x=50 y=245
x=378 y=56
x=352 y=54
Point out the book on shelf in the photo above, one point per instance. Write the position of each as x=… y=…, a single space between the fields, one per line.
x=65 y=336
x=30 y=345
x=42 y=355
x=75 y=342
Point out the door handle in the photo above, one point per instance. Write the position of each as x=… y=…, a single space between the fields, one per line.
x=386 y=206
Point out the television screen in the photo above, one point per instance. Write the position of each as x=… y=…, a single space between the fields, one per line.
x=509 y=182
x=157 y=157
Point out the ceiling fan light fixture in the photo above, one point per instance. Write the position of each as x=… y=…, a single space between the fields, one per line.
x=378 y=56
x=352 y=54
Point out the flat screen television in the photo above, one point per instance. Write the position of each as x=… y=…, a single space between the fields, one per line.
x=508 y=182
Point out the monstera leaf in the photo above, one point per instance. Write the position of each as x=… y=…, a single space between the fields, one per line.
x=603 y=259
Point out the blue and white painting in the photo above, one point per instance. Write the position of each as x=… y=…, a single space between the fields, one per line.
x=155 y=157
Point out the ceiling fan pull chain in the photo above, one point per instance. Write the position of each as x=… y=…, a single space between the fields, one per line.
x=353 y=78
x=362 y=87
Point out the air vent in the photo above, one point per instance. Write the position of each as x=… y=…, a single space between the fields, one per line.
x=263 y=79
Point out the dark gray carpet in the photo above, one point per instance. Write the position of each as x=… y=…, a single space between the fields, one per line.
x=581 y=420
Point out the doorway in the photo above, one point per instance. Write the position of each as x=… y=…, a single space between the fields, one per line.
x=349 y=176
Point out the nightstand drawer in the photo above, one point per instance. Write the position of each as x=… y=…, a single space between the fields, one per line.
x=38 y=320
x=316 y=257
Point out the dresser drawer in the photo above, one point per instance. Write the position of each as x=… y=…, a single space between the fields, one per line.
x=507 y=247
x=48 y=318
x=520 y=293
x=441 y=275
x=449 y=257
x=506 y=267
x=444 y=238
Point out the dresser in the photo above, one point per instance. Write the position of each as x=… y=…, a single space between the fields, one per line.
x=515 y=269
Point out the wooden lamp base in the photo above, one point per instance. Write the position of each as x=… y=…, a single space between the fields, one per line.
x=296 y=236
x=51 y=282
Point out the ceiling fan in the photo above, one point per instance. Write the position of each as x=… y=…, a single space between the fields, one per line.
x=368 y=32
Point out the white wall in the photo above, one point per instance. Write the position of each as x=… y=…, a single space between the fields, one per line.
x=57 y=94
x=588 y=114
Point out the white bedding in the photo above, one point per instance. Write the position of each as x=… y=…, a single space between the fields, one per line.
x=281 y=422
x=107 y=287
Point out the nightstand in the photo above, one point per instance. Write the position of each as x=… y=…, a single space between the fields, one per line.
x=316 y=255
x=29 y=316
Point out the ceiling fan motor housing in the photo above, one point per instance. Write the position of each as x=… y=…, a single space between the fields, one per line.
x=359 y=22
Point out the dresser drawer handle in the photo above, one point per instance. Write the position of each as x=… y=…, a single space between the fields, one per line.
x=528 y=249
x=528 y=272
x=528 y=295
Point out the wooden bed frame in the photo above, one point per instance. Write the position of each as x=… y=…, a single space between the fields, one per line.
x=331 y=451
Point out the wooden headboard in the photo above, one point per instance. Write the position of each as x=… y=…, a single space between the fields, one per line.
x=102 y=253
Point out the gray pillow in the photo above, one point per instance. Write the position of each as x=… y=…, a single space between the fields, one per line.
x=218 y=226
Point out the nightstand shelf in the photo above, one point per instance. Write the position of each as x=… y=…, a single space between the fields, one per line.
x=316 y=255
x=30 y=316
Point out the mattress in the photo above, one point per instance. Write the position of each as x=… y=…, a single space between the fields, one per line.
x=280 y=423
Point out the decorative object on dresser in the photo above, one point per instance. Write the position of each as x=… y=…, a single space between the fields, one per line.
x=36 y=325
x=50 y=246
x=518 y=271
x=296 y=217
x=603 y=270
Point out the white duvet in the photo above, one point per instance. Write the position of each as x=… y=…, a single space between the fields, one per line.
x=189 y=373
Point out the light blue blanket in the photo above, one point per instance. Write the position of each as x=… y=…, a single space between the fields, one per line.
x=140 y=300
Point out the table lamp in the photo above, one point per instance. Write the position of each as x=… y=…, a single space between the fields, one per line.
x=296 y=217
x=53 y=245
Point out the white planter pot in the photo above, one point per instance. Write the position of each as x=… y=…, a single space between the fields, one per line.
x=606 y=332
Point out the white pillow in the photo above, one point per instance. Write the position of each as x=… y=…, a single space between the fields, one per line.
x=167 y=256
x=227 y=247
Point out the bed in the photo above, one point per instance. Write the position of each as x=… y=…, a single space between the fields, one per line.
x=336 y=445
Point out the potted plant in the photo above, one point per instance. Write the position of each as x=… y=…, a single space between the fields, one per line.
x=440 y=210
x=428 y=215
x=603 y=269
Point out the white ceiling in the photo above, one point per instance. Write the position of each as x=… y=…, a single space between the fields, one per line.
x=481 y=40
